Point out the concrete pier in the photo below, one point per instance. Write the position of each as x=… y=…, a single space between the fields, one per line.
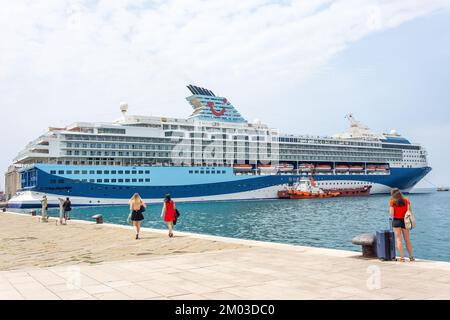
x=87 y=261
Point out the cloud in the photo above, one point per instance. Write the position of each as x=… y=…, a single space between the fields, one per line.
x=83 y=57
x=151 y=41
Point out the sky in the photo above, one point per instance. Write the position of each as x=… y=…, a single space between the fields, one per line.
x=297 y=65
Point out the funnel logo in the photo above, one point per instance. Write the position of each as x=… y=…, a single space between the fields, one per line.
x=214 y=111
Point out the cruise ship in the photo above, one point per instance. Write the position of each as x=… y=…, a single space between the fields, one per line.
x=213 y=155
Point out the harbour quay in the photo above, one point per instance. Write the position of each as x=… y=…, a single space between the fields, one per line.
x=84 y=260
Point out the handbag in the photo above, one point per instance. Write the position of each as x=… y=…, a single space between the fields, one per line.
x=410 y=222
x=177 y=215
x=142 y=209
x=129 y=221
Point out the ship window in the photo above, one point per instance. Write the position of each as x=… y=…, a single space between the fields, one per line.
x=141 y=180
x=99 y=180
x=133 y=180
x=52 y=171
x=92 y=172
x=61 y=172
x=223 y=172
x=141 y=172
x=69 y=172
x=120 y=180
x=191 y=172
x=147 y=172
x=106 y=180
x=84 y=172
x=213 y=172
x=113 y=172
x=147 y=180
x=61 y=181
x=113 y=180
x=106 y=172
x=202 y=172
x=127 y=172
x=196 y=171
x=207 y=172
x=91 y=180
x=53 y=181
x=127 y=180
x=99 y=171
x=76 y=172
x=134 y=172
x=120 y=172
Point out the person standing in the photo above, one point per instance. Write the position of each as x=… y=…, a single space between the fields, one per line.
x=67 y=207
x=168 y=212
x=137 y=207
x=399 y=206
x=44 y=204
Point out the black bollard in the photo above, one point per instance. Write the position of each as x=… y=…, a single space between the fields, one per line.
x=98 y=218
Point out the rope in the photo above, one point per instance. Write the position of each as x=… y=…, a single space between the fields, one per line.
x=430 y=182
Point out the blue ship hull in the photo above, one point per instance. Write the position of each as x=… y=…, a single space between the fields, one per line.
x=183 y=183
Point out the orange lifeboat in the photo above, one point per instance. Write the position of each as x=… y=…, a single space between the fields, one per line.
x=242 y=167
x=323 y=167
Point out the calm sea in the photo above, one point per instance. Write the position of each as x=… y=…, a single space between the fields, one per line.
x=329 y=223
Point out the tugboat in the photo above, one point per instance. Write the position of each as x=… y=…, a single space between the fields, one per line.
x=442 y=189
x=306 y=189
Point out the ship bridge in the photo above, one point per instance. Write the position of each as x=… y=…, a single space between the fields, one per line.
x=208 y=106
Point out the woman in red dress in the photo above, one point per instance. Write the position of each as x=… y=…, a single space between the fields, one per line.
x=168 y=212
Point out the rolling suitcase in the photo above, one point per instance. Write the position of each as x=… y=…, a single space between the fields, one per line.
x=386 y=244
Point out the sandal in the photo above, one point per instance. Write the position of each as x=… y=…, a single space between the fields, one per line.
x=400 y=259
x=411 y=259
x=170 y=235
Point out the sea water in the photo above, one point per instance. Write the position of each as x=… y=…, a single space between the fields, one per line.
x=329 y=223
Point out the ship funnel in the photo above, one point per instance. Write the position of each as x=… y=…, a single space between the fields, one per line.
x=124 y=108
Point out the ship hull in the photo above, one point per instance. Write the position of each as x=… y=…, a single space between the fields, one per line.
x=185 y=187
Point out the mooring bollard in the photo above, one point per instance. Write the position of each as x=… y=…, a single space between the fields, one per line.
x=33 y=213
x=368 y=242
x=4 y=209
x=98 y=218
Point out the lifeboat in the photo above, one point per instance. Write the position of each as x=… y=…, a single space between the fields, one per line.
x=381 y=168
x=242 y=167
x=323 y=168
x=285 y=167
x=266 y=168
x=306 y=167
x=342 y=168
x=371 y=168
x=355 y=168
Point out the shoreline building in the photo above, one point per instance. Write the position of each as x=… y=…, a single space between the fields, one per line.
x=12 y=182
